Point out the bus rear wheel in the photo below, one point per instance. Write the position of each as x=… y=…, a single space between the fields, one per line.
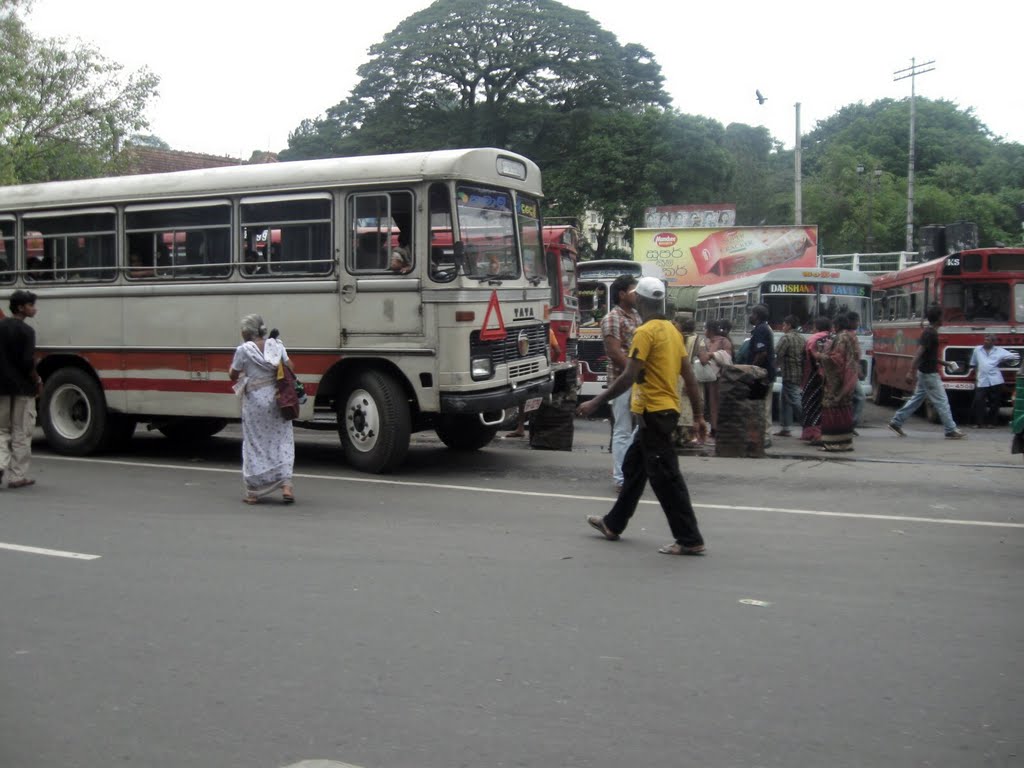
x=880 y=394
x=464 y=432
x=74 y=413
x=374 y=423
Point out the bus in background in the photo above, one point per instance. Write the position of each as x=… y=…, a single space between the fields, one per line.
x=449 y=345
x=980 y=291
x=806 y=293
x=593 y=287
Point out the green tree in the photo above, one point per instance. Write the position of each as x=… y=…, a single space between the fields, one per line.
x=472 y=73
x=66 y=109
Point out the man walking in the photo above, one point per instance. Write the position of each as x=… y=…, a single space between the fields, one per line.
x=762 y=354
x=19 y=385
x=925 y=367
x=790 y=359
x=656 y=359
x=988 y=386
x=617 y=328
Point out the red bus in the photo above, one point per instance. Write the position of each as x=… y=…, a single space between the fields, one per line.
x=981 y=291
x=561 y=248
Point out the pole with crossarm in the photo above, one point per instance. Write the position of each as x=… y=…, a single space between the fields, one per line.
x=912 y=72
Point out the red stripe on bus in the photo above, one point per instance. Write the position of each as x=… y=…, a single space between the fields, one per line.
x=177 y=385
x=186 y=361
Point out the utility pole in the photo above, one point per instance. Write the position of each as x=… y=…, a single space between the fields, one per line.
x=797 y=196
x=912 y=72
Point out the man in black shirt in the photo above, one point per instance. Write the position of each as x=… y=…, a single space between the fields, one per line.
x=925 y=367
x=19 y=385
x=762 y=354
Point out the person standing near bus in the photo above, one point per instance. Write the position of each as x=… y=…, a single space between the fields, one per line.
x=762 y=354
x=925 y=367
x=268 y=439
x=790 y=357
x=988 y=386
x=656 y=359
x=19 y=387
x=617 y=328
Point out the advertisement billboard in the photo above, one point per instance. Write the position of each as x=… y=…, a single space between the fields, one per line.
x=704 y=256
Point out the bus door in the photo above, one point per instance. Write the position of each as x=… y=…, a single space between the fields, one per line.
x=380 y=283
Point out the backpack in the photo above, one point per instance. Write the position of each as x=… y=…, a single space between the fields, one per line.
x=742 y=356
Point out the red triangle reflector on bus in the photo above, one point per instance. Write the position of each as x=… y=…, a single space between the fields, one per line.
x=493 y=334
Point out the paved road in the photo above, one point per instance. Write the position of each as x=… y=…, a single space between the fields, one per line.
x=851 y=613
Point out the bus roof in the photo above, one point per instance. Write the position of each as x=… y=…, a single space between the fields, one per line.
x=480 y=164
x=935 y=266
x=787 y=275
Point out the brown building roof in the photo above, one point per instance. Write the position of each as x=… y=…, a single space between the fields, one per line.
x=153 y=160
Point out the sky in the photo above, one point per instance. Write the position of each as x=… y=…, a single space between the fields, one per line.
x=239 y=76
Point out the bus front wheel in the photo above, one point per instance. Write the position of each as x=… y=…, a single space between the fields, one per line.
x=464 y=432
x=374 y=422
x=74 y=413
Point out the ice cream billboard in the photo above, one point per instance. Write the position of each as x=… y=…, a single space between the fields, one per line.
x=705 y=256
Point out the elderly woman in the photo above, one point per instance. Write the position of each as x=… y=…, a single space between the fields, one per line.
x=268 y=442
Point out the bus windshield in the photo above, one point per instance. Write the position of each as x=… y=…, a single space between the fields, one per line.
x=970 y=300
x=808 y=306
x=487 y=228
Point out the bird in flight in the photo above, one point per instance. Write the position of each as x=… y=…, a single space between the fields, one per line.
x=760 y=99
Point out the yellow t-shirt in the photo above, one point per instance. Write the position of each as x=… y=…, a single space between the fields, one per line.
x=660 y=345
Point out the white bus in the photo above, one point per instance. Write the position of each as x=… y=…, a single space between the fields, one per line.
x=142 y=281
x=806 y=293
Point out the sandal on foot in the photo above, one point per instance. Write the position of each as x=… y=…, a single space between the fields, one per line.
x=679 y=549
x=21 y=483
x=250 y=500
x=287 y=498
x=597 y=523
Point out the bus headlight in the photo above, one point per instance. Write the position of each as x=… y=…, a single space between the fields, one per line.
x=480 y=368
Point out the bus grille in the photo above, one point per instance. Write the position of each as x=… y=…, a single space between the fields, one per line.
x=592 y=353
x=507 y=350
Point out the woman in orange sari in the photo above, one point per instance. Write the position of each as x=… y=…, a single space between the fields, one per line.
x=840 y=364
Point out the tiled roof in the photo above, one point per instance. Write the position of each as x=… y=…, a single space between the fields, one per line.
x=153 y=160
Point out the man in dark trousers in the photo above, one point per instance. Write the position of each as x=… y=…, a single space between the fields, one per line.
x=19 y=385
x=762 y=354
x=657 y=357
x=925 y=366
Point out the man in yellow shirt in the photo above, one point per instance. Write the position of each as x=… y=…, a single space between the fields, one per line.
x=657 y=357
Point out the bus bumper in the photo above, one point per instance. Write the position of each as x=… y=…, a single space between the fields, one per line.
x=495 y=400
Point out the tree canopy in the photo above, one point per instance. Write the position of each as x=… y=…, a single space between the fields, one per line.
x=66 y=109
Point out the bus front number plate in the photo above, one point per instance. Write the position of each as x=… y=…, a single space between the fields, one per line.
x=532 y=404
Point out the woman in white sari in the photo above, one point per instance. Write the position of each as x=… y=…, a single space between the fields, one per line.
x=268 y=441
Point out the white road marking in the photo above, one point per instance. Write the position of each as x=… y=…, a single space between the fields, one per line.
x=50 y=552
x=542 y=494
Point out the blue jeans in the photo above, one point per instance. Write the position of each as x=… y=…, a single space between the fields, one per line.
x=789 y=407
x=622 y=433
x=928 y=385
x=858 y=404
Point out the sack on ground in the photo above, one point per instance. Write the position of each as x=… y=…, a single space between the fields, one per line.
x=287 y=397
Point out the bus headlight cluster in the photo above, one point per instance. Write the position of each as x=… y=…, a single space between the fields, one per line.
x=481 y=368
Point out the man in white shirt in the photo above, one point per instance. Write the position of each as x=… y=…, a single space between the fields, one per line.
x=988 y=388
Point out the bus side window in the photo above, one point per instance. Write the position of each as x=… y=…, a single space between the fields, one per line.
x=6 y=250
x=443 y=267
x=76 y=246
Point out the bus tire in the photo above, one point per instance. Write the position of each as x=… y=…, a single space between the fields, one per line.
x=74 y=413
x=192 y=428
x=464 y=432
x=374 y=422
x=880 y=394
